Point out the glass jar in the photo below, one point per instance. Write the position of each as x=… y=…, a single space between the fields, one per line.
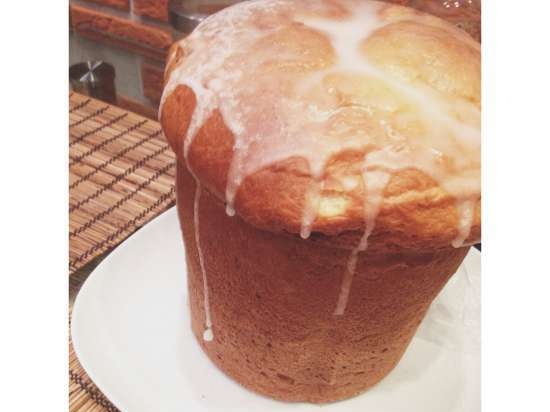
x=185 y=15
x=465 y=14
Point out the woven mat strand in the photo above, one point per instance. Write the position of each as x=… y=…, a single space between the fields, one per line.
x=121 y=175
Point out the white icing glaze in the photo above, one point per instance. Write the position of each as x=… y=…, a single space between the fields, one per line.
x=375 y=181
x=466 y=212
x=208 y=334
x=310 y=210
x=276 y=113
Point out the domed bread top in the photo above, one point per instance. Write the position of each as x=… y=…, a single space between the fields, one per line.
x=332 y=116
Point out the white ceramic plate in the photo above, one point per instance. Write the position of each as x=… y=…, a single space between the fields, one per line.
x=131 y=332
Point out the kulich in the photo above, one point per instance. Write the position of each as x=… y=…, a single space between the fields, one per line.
x=328 y=185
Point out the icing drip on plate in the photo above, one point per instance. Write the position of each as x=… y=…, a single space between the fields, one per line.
x=296 y=79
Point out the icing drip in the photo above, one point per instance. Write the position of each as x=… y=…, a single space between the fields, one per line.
x=203 y=110
x=208 y=334
x=199 y=115
x=375 y=182
x=310 y=210
x=466 y=213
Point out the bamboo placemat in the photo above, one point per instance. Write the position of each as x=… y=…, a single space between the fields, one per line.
x=121 y=175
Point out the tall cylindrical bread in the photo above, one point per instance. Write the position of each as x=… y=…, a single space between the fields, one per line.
x=327 y=185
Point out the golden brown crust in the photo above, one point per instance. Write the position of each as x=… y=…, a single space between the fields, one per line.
x=437 y=58
x=416 y=211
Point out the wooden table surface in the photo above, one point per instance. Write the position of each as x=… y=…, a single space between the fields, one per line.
x=121 y=175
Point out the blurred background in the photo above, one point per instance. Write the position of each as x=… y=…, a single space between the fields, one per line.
x=117 y=48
